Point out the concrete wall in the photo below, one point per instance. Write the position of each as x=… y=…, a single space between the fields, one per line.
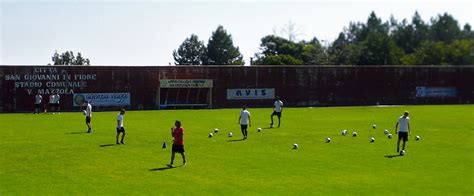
x=296 y=85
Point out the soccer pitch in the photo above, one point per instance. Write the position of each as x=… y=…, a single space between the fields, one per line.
x=52 y=154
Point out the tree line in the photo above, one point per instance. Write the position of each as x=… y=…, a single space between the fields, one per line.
x=220 y=50
x=68 y=58
x=441 y=41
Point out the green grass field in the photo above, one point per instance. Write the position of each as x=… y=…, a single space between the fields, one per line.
x=51 y=154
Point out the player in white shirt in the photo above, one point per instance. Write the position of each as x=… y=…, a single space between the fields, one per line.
x=277 y=109
x=51 y=102
x=56 y=103
x=120 y=128
x=402 y=128
x=244 y=121
x=88 y=113
x=38 y=99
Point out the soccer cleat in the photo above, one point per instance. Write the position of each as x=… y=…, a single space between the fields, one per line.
x=118 y=143
x=122 y=143
x=170 y=165
x=184 y=164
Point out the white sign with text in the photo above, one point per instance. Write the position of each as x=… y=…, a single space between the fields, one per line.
x=50 y=80
x=251 y=93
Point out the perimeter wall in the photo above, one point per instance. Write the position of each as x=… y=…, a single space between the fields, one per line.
x=297 y=86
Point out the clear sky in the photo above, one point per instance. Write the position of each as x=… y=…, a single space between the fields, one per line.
x=146 y=32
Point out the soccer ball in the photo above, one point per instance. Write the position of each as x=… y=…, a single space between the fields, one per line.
x=389 y=136
x=402 y=153
x=295 y=146
x=372 y=139
x=417 y=137
x=344 y=132
x=210 y=135
x=374 y=126
x=84 y=112
x=216 y=130
x=385 y=132
x=328 y=140
x=230 y=134
x=354 y=134
x=259 y=129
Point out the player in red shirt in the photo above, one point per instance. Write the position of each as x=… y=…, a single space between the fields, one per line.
x=178 y=143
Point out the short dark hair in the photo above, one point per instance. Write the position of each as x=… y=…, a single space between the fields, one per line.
x=86 y=101
x=244 y=107
x=122 y=111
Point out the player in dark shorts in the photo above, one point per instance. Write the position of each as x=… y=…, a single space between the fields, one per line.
x=402 y=128
x=403 y=136
x=278 y=114
x=88 y=120
x=56 y=103
x=244 y=121
x=37 y=108
x=38 y=99
x=88 y=113
x=277 y=109
x=120 y=128
x=51 y=103
x=178 y=143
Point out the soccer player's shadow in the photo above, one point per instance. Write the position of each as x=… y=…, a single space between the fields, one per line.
x=79 y=132
x=161 y=168
x=392 y=156
x=106 y=145
x=235 y=140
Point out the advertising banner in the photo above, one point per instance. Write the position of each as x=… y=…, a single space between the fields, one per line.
x=194 y=83
x=425 y=91
x=251 y=93
x=102 y=99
